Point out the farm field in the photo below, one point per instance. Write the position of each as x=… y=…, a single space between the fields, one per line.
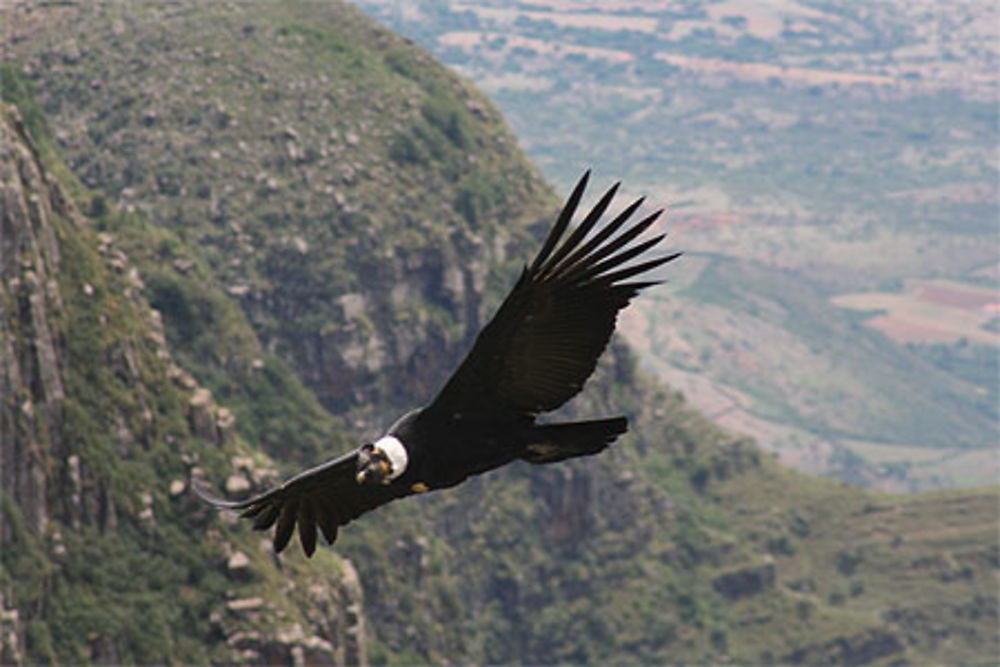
x=935 y=311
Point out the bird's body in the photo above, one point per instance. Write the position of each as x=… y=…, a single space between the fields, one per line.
x=533 y=356
x=444 y=452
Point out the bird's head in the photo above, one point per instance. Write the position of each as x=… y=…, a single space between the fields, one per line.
x=382 y=461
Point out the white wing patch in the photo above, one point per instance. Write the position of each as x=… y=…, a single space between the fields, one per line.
x=394 y=450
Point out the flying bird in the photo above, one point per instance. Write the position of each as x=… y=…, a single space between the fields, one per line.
x=534 y=355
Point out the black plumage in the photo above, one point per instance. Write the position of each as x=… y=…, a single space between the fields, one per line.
x=534 y=355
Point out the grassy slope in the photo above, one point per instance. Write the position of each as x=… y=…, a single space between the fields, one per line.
x=925 y=564
x=614 y=558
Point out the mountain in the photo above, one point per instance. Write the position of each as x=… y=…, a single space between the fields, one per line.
x=414 y=166
x=193 y=330
x=835 y=159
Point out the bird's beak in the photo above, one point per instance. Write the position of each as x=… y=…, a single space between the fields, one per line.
x=373 y=469
x=367 y=473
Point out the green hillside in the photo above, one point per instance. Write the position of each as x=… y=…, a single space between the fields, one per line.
x=681 y=544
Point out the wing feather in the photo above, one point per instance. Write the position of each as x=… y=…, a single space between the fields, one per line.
x=605 y=233
x=545 y=339
x=267 y=516
x=286 y=523
x=592 y=259
x=628 y=272
x=595 y=270
x=307 y=526
x=327 y=521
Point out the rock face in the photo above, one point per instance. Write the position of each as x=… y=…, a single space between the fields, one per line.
x=10 y=639
x=31 y=385
x=45 y=472
x=99 y=431
x=353 y=629
x=332 y=634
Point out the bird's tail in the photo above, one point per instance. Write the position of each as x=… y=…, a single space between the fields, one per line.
x=548 y=443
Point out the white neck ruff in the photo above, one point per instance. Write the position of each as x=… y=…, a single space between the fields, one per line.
x=395 y=452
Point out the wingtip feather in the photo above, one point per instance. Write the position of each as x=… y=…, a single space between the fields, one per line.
x=634 y=270
x=555 y=260
x=327 y=525
x=596 y=248
x=267 y=518
x=562 y=221
x=286 y=525
x=307 y=528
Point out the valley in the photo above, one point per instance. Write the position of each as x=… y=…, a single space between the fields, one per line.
x=838 y=160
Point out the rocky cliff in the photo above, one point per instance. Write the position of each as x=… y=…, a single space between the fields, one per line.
x=106 y=556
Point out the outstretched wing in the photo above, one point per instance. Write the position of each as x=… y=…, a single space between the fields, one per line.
x=545 y=339
x=325 y=497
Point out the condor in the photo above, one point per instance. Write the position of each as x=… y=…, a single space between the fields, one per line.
x=534 y=355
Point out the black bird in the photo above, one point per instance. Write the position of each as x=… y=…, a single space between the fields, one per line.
x=533 y=356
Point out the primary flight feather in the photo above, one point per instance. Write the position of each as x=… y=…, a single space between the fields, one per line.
x=534 y=355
